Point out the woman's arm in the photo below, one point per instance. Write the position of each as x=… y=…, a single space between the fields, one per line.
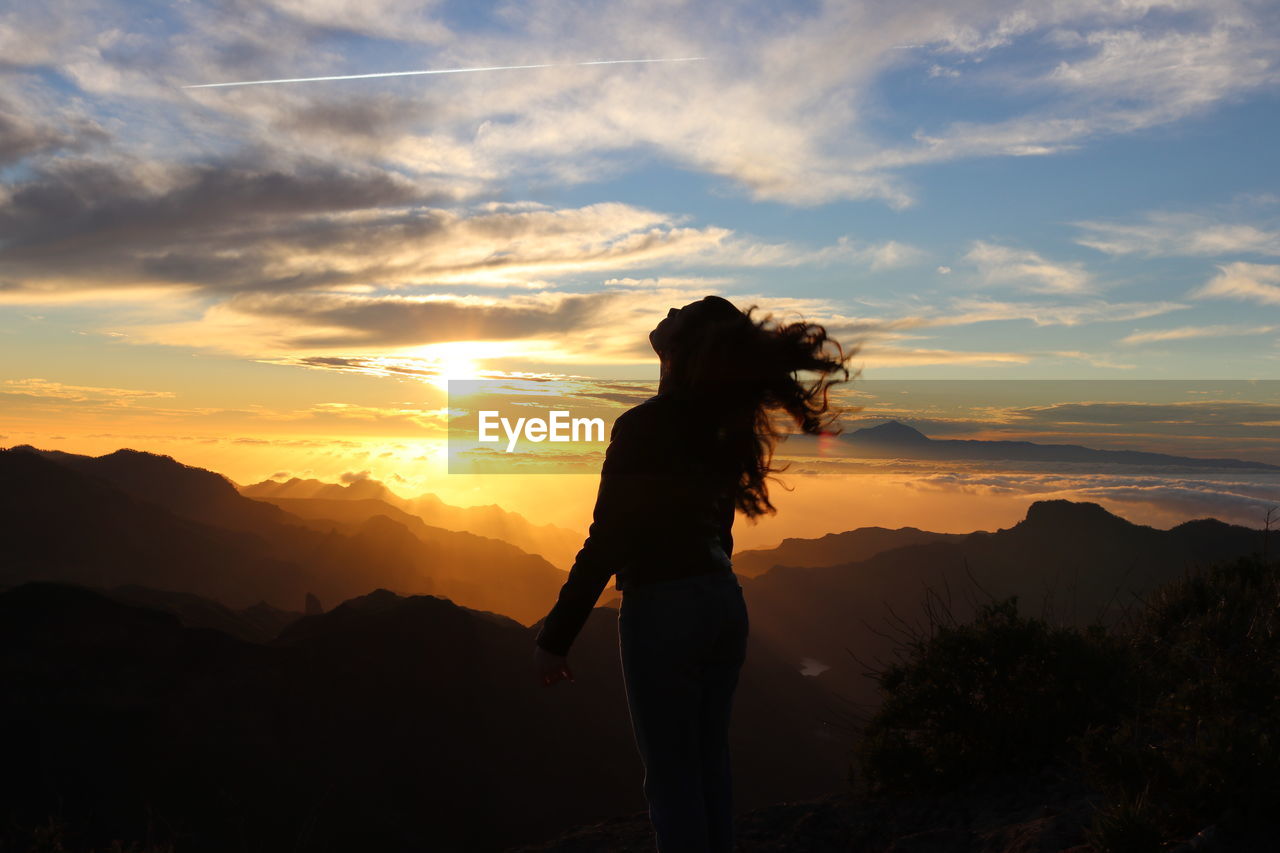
x=629 y=488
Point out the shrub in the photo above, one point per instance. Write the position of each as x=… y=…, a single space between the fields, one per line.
x=1202 y=743
x=1174 y=718
x=1002 y=693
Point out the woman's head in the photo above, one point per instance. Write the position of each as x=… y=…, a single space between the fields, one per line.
x=742 y=370
x=681 y=323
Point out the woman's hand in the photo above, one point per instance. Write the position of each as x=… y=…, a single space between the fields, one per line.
x=551 y=668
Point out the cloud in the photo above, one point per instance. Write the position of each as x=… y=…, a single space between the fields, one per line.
x=1223 y=416
x=1094 y=358
x=406 y=20
x=1243 y=281
x=966 y=310
x=23 y=136
x=406 y=367
x=45 y=389
x=287 y=322
x=609 y=326
x=1187 y=332
x=892 y=254
x=786 y=127
x=1167 y=72
x=669 y=282
x=890 y=356
x=305 y=219
x=91 y=224
x=1003 y=265
x=229 y=228
x=1179 y=234
x=1176 y=498
x=888 y=254
x=1119 y=69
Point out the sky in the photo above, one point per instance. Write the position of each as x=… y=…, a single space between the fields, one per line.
x=281 y=279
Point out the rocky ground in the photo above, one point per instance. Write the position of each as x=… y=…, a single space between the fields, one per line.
x=1045 y=813
x=1035 y=814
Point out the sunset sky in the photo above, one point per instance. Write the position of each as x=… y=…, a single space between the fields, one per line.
x=280 y=279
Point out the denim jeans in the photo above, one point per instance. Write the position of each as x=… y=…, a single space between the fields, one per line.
x=683 y=643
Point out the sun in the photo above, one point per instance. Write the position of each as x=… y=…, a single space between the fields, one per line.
x=457 y=360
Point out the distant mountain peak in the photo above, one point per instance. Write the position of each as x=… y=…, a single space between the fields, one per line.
x=1062 y=513
x=891 y=432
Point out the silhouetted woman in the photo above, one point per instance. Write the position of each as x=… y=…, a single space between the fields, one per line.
x=677 y=467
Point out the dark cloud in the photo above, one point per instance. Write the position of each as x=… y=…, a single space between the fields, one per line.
x=97 y=204
x=366 y=365
x=234 y=227
x=22 y=137
x=219 y=226
x=372 y=117
x=395 y=322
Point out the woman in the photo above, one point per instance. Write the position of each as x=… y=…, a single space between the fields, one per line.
x=677 y=467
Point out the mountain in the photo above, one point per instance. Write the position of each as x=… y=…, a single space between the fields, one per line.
x=1069 y=561
x=186 y=491
x=295 y=487
x=395 y=721
x=387 y=723
x=258 y=624
x=847 y=547
x=555 y=544
x=894 y=439
x=59 y=523
x=892 y=432
x=133 y=518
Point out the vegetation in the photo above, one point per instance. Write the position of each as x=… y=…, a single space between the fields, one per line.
x=1002 y=693
x=1172 y=716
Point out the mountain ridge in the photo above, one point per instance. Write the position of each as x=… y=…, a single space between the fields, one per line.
x=149 y=520
x=894 y=438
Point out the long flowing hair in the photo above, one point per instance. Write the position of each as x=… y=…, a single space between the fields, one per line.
x=741 y=370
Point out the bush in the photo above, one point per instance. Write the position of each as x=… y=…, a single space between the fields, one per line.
x=1202 y=743
x=1174 y=718
x=1000 y=694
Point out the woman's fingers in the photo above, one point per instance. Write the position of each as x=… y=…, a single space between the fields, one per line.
x=552 y=668
x=549 y=678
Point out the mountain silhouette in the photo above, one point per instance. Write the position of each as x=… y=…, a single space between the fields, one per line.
x=260 y=623
x=147 y=520
x=892 y=432
x=834 y=548
x=311 y=498
x=209 y=675
x=1072 y=562
x=184 y=490
x=387 y=723
x=895 y=439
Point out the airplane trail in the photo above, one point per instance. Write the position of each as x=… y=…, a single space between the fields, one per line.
x=440 y=71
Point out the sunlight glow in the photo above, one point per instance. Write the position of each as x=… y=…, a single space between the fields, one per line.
x=459 y=360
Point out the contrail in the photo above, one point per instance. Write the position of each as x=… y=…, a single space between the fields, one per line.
x=441 y=71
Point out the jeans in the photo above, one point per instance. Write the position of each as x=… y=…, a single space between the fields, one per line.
x=683 y=643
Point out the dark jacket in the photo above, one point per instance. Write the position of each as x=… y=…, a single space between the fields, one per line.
x=664 y=510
